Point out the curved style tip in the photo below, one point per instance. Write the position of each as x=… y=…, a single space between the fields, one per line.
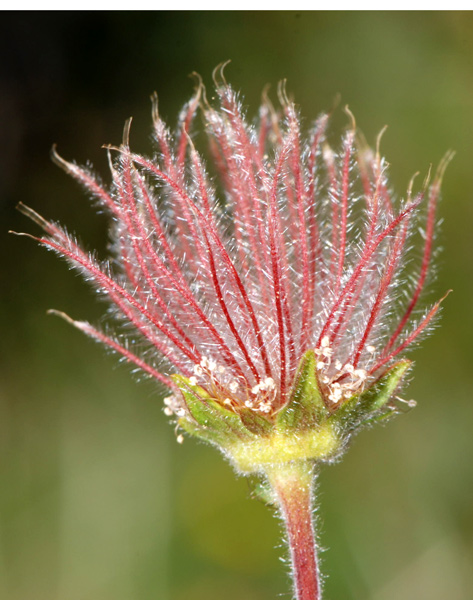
x=446 y=160
x=59 y=161
x=379 y=137
x=62 y=315
x=352 y=117
x=33 y=215
x=154 y=106
x=282 y=93
x=219 y=72
x=126 y=133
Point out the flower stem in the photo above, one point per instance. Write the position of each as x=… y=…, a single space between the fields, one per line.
x=292 y=485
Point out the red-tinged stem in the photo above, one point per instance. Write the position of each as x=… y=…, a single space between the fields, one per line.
x=292 y=484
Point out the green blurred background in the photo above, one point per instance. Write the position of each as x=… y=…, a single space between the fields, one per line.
x=97 y=501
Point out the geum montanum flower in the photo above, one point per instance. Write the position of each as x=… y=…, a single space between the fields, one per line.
x=271 y=292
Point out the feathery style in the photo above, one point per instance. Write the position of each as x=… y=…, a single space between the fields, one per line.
x=270 y=291
x=230 y=277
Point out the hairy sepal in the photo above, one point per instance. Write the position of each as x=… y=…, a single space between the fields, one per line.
x=303 y=430
x=372 y=405
x=306 y=408
x=215 y=423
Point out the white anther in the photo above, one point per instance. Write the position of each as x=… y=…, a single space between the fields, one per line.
x=360 y=373
x=212 y=365
x=227 y=401
x=193 y=380
x=180 y=439
x=320 y=365
x=248 y=404
x=203 y=362
x=325 y=341
x=338 y=365
x=327 y=153
x=255 y=389
x=168 y=401
x=180 y=412
x=269 y=382
x=221 y=369
x=198 y=370
x=349 y=368
x=233 y=386
x=371 y=349
x=336 y=395
x=168 y=411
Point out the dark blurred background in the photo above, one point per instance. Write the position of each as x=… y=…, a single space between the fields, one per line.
x=97 y=501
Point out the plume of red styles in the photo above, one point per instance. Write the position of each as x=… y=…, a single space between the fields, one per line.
x=227 y=270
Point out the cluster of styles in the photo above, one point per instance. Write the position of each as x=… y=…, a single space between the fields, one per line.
x=269 y=287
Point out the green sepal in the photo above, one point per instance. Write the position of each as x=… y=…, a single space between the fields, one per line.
x=208 y=435
x=379 y=418
x=212 y=420
x=306 y=407
x=370 y=405
x=255 y=423
x=378 y=395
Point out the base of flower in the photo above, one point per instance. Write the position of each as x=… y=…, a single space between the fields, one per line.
x=279 y=449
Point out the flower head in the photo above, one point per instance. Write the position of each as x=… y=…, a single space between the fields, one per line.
x=271 y=290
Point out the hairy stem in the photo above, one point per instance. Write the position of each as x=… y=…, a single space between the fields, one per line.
x=292 y=484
